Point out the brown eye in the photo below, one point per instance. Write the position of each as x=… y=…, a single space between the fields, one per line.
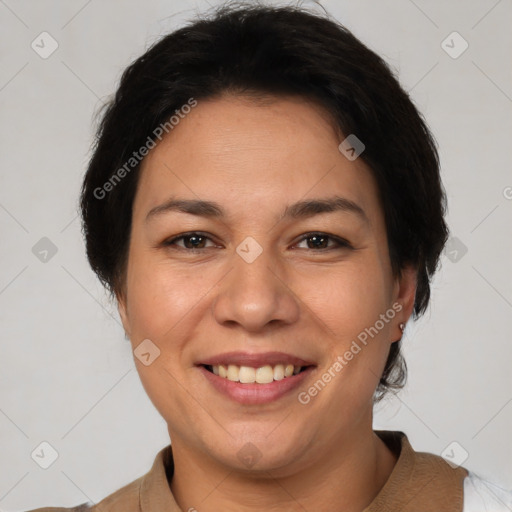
x=191 y=241
x=320 y=241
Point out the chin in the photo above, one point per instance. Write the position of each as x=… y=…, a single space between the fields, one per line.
x=259 y=452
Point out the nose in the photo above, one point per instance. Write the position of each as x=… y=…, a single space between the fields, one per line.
x=256 y=294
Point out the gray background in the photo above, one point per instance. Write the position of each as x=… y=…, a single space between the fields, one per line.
x=67 y=373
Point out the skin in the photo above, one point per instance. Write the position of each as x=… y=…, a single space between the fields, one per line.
x=253 y=160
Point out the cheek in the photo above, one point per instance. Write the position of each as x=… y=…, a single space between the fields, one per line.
x=358 y=342
x=347 y=298
x=160 y=296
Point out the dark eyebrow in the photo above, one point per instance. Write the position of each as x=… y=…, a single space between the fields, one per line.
x=190 y=206
x=311 y=207
x=299 y=210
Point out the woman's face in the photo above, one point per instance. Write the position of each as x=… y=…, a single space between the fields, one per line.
x=267 y=280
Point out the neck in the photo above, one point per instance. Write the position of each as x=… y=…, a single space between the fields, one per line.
x=350 y=476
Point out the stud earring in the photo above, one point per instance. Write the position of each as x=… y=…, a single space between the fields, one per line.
x=401 y=325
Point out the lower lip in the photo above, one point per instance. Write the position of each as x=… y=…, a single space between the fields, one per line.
x=256 y=393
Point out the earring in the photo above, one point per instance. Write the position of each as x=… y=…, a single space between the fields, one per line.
x=401 y=325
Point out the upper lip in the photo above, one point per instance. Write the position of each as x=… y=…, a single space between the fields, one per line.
x=254 y=360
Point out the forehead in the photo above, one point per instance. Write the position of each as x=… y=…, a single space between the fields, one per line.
x=249 y=155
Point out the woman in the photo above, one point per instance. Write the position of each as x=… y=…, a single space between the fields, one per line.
x=264 y=202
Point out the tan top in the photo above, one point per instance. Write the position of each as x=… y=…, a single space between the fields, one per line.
x=419 y=482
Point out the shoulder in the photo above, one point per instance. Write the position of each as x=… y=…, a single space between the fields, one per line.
x=84 y=507
x=125 y=499
x=150 y=490
x=479 y=494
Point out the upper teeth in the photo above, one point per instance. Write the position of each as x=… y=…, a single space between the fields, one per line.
x=248 y=375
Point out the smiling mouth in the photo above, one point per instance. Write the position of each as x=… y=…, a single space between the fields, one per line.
x=249 y=375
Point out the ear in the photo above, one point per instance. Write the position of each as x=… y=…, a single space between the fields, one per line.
x=121 y=307
x=405 y=295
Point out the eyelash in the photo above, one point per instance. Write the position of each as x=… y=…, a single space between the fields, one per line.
x=340 y=242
